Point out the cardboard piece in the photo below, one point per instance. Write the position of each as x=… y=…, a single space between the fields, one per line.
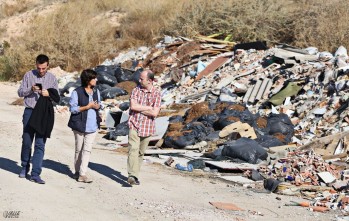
x=244 y=129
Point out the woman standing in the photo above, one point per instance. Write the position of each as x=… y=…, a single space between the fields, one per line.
x=84 y=121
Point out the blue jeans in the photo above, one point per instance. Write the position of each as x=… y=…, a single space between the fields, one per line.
x=27 y=141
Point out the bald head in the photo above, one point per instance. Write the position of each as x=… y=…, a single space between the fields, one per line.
x=146 y=79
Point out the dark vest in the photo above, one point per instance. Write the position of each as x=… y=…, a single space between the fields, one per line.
x=78 y=121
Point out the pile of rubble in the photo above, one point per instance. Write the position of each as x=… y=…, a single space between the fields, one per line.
x=283 y=109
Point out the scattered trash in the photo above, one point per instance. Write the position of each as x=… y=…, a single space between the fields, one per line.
x=188 y=168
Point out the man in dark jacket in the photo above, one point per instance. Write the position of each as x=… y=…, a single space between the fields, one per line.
x=35 y=84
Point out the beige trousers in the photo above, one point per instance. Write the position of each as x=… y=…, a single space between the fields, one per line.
x=83 y=147
x=136 y=149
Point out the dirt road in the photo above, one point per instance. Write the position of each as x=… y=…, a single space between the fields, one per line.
x=164 y=193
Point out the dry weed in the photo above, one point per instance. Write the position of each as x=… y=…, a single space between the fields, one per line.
x=8 y=9
x=75 y=40
x=145 y=22
x=69 y=36
x=323 y=24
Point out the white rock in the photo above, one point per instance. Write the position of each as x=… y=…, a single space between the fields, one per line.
x=312 y=50
x=341 y=51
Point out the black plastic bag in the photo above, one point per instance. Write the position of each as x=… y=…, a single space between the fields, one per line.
x=269 y=141
x=113 y=92
x=107 y=69
x=224 y=121
x=179 y=142
x=69 y=85
x=104 y=78
x=102 y=87
x=198 y=129
x=124 y=106
x=213 y=136
x=280 y=123
x=121 y=129
x=136 y=75
x=123 y=74
x=245 y=149
x=176 y=119
x=245 y=116
x=208 y=119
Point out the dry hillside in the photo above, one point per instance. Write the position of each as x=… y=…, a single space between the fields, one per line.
x=81 y=34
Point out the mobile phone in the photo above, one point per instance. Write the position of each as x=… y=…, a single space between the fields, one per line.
x=39 y=85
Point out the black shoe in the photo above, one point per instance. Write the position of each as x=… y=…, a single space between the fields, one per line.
x=76 y=175
x=137 y=181
x=37 y=179
x=24 y=172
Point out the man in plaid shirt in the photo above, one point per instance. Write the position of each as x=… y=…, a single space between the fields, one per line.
x=145 y=103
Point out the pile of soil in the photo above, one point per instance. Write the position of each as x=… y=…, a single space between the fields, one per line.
x=198 y=110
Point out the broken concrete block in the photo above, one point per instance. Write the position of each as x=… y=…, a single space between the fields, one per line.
x=327 y=177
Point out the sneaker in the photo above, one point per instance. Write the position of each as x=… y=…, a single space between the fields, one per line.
x=76 y=175
x=37 y=179
x=23 y=173
x=133 y=180
x=84 y=179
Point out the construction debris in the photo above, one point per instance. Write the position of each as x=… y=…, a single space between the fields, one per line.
x=284 y=110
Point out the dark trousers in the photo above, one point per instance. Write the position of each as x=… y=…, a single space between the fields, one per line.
x=27 y=141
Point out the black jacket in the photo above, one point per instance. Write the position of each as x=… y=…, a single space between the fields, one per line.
x=78 y=121
x=42 y=117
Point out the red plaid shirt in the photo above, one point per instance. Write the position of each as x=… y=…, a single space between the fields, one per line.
x=144 y=125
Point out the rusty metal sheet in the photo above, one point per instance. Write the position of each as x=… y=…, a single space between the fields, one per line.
x=217 y=63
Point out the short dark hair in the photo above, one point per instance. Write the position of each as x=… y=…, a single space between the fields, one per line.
x=41 y=58
x=86 y=76
x=150 y=75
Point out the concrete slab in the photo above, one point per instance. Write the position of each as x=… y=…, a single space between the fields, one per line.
x=238 y=180
x=327 y=177
x=231 y=165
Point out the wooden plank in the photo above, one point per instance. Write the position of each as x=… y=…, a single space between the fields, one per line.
x=281 y=148
x=204 y=52
x=207 y=39
x=164 y=151
x=321 y=142
x=330 y=157
x=217 y=63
